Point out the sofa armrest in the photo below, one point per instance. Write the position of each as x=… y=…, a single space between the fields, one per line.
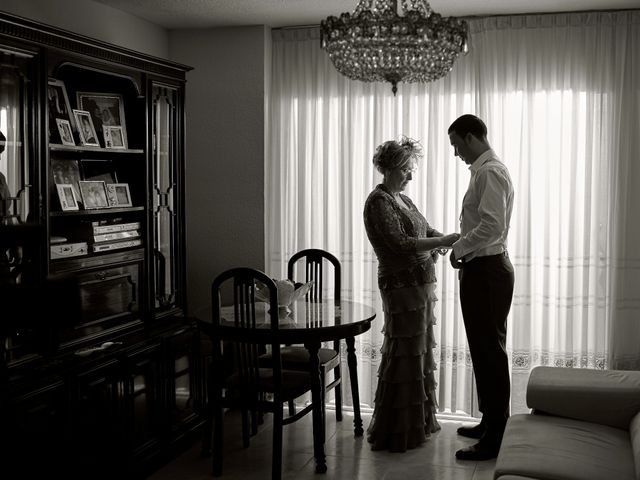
x=607 y=397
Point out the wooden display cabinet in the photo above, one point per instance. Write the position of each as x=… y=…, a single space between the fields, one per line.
x=105 y=262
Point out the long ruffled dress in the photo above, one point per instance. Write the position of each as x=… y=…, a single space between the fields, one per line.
x=405 y=401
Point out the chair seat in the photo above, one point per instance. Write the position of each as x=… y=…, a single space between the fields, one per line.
x=296 y=355
x=294 y=383
x=295 y=358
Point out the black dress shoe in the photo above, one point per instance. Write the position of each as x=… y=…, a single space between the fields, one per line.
x=472 y=432
x=478 y=452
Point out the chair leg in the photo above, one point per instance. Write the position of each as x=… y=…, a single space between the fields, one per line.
x=276 y=453
x=254 y=422
x=260 y=414
x=207 y=432
x=245 y=427
x=292 y=408
x=323 y=395
x=217 y=441
x=208 y=423
x=338 y=393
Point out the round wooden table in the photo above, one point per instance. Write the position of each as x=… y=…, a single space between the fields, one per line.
x=310 y=324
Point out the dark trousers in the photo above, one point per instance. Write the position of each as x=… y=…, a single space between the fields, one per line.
x=486 y=290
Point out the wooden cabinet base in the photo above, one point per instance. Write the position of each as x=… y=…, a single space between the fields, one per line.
x=118 y=413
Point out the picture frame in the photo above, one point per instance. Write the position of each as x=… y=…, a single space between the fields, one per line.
x=94 y=194
x=118 y=195
x=86 y=129
x=66 y=171
x=67 y=197
x=59 y=106
x=98 y=169
x=113 y=137
x=106 y=109
x=65 y=132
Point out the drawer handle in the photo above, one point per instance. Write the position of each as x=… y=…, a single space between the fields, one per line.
x=101 y=275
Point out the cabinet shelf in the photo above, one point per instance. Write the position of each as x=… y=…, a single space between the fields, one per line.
x=98 y=259
x=54 y=147
x=98 y=211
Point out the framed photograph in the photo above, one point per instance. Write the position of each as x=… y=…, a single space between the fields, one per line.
x=106 y=109
x=67 y=197
x=64 y=129
x=86 y=130
x=98 y=170
x=113 y=137
x=59 y=107
x=94 y=194
x=118 y=195
x=67 y=172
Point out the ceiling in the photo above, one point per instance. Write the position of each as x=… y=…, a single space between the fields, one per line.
x=173 y=14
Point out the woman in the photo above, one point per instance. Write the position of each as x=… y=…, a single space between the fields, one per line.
x=405 y=244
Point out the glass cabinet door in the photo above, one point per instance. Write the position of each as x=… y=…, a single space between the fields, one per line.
x=165 y=218
x=20 y=254
x=16 y=99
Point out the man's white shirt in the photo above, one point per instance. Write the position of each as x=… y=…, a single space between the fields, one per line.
x=486 y=209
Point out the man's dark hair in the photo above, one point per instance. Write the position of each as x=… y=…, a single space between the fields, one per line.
x=469 y=124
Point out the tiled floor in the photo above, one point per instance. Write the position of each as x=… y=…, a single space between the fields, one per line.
x=348 y=458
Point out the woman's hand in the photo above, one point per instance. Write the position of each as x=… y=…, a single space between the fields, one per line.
x=448 y=240
x=433 y=243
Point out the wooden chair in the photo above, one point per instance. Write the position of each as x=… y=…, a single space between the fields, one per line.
x=297 y=357
x=247 y=384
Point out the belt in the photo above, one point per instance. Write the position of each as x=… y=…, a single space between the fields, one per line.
x=483 y=257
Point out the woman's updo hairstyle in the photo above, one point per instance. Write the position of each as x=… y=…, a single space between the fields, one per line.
x=393 y=154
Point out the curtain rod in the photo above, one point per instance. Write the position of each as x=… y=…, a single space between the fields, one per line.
x=476 y=17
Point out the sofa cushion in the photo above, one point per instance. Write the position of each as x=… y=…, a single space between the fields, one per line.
x=609 y=397
x=634 y=433
x=549 y=447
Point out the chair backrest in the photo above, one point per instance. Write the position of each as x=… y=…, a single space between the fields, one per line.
x=245 y=348
x=315 y=260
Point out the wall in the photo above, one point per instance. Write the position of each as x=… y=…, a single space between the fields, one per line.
x=225 y=151
x=94 y=20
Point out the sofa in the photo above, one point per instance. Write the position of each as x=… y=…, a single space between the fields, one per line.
x=584 y=425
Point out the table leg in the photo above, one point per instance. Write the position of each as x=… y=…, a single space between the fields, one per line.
x=353 y=377
x=317 y=397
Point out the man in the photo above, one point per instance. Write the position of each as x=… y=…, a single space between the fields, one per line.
x=486 y=280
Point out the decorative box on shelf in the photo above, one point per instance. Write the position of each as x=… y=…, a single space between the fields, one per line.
x=110 y=234
x=66 y=250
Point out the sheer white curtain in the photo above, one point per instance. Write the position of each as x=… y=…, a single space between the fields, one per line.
x=559 y=94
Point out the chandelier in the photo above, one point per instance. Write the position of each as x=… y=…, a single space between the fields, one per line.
x=377 y=43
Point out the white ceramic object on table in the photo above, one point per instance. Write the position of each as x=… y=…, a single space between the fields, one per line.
x=288 y=293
